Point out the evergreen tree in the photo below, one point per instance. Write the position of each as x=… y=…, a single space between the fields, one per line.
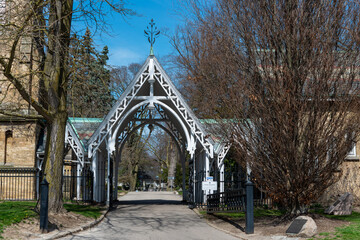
x=89 y=93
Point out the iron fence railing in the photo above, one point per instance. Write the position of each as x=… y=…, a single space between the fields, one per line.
x=230 y=201
x=77 y=187
x=234 y=201
x=23 y=184
x=18 y=184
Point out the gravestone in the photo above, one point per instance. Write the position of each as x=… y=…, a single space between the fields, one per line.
x=302 y=226
x=343 y=206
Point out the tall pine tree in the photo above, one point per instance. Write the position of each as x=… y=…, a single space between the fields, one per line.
x=89 y=86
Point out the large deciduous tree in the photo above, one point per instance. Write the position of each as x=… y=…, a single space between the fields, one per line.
x=287 y=75
x=35 y=38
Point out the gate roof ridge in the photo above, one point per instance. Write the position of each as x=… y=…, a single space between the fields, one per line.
x=152 y=70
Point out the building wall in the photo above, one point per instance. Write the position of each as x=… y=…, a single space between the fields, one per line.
x=349 y=181
x=21 y=147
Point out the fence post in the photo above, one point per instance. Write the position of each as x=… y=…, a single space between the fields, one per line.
x=249 y=224
x=44 y=202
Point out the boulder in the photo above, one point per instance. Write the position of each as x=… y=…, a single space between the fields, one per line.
x=343 y=206
x=302 y=226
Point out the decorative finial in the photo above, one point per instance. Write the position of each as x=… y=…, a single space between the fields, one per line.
x=151 y=33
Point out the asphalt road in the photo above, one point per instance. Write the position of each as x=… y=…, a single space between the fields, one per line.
x=152 y=215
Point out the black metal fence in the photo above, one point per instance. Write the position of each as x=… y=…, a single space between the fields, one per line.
x=77 y=187
x=235 y=181
x=233 y=184
x=233 y=201
x=23 y=184
x=19 y=184
x=232 y=180
x=230 y=201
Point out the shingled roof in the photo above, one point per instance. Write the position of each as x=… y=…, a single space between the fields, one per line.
x=85 y=127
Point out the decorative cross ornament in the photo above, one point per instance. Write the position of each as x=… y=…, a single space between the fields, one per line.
x=151 y=33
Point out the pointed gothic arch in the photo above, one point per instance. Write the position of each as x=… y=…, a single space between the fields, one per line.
x=151 y=98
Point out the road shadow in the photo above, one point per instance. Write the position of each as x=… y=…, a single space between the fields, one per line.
x=148 y=202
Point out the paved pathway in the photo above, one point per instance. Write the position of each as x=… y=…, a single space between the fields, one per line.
x=152 y=215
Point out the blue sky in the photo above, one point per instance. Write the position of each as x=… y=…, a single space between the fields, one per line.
x=128 y=43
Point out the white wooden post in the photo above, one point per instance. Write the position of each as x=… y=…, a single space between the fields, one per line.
x=78 y=181
x=95 y=169
x=108 y=180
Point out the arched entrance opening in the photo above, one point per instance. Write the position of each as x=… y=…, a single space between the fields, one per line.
x=151 y=99
x=150 y=154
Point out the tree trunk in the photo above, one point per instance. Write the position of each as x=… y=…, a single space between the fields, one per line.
x=172 y=165
x=54 y=161
x=297 y=208
x=133 y=177
x=55 y=83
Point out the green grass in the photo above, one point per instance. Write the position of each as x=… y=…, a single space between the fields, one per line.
x=85 y=210
x=354 y=217
x=122 y=191
x=203 y=212
x=258 y=212
x=342 y=233
x=15 y=212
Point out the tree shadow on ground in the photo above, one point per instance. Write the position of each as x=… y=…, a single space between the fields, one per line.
x=229 y=221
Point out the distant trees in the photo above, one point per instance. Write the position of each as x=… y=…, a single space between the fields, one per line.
x=163 y=150
x=152 y=152
x=287 y=75
x=121 y=76
x=89 y=88
x=133 y=157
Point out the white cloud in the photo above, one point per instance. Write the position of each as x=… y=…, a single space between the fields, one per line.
x=124 y=56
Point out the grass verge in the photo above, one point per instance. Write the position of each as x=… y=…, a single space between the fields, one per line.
x=258 y=212
x=350 y=232
x=15 y=212
x=85 y=210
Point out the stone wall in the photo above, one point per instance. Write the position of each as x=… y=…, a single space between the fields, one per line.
x=20 y=149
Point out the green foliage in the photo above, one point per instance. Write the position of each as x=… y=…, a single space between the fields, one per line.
x=164 y=174
x=85 y=210
x=15 y=212
x=89 y=93
x=230 y=162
